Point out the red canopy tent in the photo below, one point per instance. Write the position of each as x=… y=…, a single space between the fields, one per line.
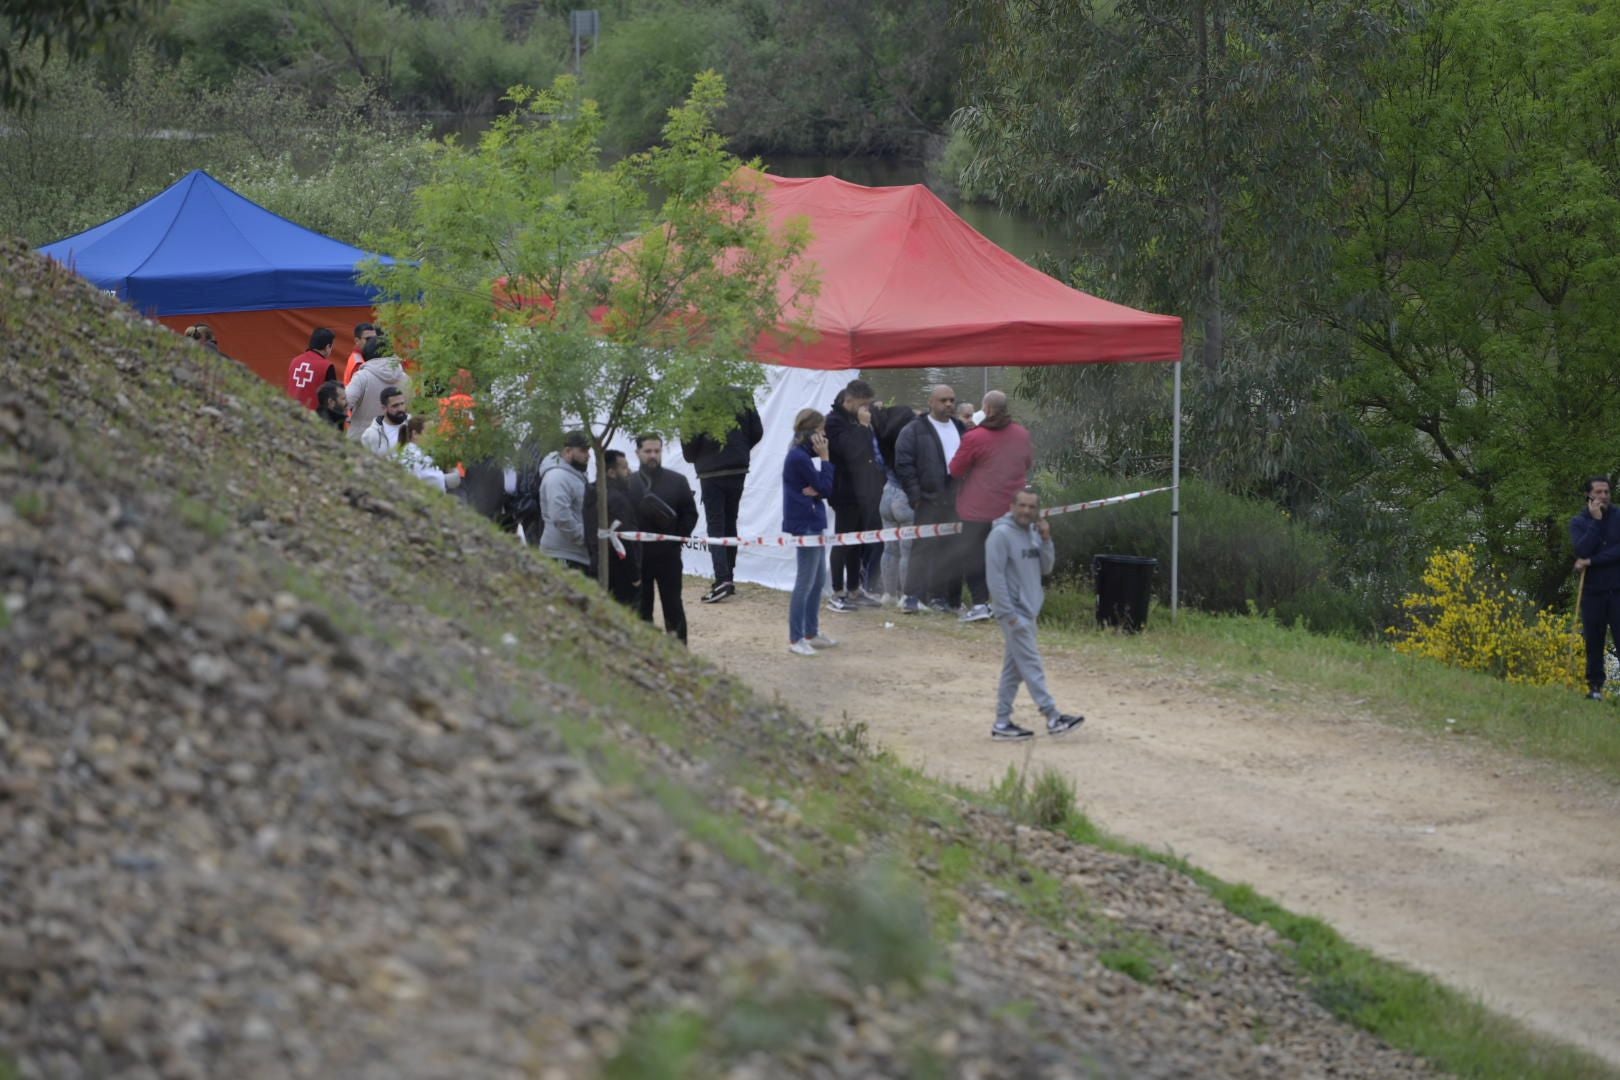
x=906 y=283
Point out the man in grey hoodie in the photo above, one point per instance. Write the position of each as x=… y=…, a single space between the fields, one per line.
x=1017 y=554
x=383 y=369
x=562 y=501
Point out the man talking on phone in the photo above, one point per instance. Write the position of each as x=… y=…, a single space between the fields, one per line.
x=1017 y=553
x=1595 y=534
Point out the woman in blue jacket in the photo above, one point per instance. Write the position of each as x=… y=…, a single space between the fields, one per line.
x=807 y=481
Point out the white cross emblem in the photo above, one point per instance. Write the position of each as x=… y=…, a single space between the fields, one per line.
x=303 y=374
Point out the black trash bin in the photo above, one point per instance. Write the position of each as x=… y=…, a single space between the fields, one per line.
x=1124 y=586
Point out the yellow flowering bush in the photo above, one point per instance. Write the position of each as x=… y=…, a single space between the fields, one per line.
x=1466 y=616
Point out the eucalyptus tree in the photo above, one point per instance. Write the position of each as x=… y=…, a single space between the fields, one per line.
x=1188 y=153
x=1479 y=279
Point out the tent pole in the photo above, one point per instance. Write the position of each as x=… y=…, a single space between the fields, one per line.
x=1175 y=499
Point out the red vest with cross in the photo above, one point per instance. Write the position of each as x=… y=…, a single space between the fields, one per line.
x=305 y=374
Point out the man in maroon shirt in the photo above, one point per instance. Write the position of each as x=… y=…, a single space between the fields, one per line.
x=309 y=369
x=990 y=467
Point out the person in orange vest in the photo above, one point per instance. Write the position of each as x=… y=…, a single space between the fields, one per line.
x=310 y=368
x=483 y=482
x=362 y=334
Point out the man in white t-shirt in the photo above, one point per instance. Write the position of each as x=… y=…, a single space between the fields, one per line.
x=922 y=462
x=382 y=435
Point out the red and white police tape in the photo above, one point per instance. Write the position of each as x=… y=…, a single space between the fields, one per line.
x=867 y=536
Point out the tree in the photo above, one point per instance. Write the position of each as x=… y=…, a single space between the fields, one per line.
x=624 y=298
x=1187 y=152
x=1480 y=282
x=72 y=26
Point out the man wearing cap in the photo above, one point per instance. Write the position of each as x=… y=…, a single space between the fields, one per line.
x=562 y=502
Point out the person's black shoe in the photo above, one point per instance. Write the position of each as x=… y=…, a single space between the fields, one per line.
x=720 y=591
x=1063 y=723
x=1007 y=731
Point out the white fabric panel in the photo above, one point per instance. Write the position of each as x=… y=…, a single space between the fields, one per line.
x=786 y=391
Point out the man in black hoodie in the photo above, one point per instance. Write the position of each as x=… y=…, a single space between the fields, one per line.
x=1595 y=533
x=721 y=465
x=664 y=504
x=922 y=462
x=624 y=574
x=857 y=491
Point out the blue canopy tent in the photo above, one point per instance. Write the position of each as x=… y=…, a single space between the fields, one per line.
x=199 y=252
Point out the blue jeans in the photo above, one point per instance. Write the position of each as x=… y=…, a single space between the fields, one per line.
x=804 y=610
x=895 y=509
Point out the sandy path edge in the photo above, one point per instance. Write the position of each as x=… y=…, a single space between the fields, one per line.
x=1495 y=874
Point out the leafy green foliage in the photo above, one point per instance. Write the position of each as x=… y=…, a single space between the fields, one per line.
x=645 y=66
x=70 y=27
x=89 y=152
x=1237 y=554
x=1479 y=276
x=625 y=298
x=439 y=56
x=1188 y=152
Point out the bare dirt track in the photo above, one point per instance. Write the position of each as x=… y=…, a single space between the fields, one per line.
x=1499 y=876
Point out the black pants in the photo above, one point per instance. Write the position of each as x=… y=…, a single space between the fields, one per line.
x=1600 y=616
x=849 y=563
x=932 y=573
x=722 y=498
x=661 y=570
x=970 y=558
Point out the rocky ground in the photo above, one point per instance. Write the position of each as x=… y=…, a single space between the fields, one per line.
x=306 y=772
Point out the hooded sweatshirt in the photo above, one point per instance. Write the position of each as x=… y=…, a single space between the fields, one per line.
x=562 y=508
x=1015 y=559
x=365 y=392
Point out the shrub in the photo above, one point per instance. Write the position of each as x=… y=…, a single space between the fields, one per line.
x=1237 y=554
x=1051 y=800
x=1466 y=616
x=343 y=165
x=645 y=67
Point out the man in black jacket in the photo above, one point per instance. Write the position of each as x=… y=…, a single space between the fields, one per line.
x=624 y=574
x=922 y=463
x=721 y=465
x=857 y=491
x=664 y=504
x=1595 y=533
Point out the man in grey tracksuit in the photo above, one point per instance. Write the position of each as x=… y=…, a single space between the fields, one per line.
x=562 y=502
x=1017 y=553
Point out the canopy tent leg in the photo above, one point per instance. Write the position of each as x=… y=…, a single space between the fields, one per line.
x=1175 y=498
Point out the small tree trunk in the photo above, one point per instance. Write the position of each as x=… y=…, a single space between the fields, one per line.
x=604 y=548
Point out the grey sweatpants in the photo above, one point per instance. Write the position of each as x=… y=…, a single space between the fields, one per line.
x=1021 y=663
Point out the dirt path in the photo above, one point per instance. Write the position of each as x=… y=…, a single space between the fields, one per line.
x=1494 y=874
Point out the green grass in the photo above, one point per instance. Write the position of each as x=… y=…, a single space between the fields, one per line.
x=1254 y=656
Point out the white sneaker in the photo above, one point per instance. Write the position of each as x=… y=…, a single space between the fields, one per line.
x=802 y=647
x=822 y=641
x=977 y=613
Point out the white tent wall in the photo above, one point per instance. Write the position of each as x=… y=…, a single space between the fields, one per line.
x=785 y=392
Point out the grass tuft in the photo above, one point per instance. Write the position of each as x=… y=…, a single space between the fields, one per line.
x=878 y=917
